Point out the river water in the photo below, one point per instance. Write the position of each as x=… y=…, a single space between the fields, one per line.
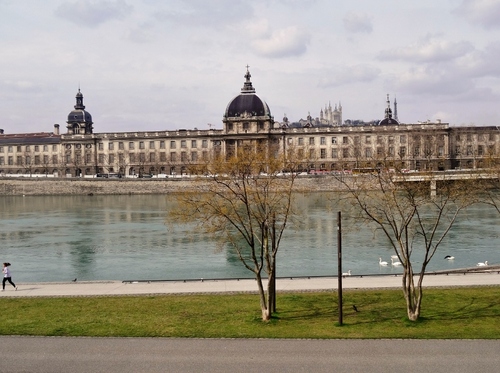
x=59 y=238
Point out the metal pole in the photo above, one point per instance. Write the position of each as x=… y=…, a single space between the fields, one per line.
x=274 y=262
x=339 y=275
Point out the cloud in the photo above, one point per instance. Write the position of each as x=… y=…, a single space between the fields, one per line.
x=258 y=28
x=430 y=49
x=485 y=13
x=350 y=75
x=357 y=23
x=290 y=41
x=203 y=13
x=472 y=75
x=141 y=34
x=488 y=61
x=430 y=80
x=22 y=86
x=90 y=13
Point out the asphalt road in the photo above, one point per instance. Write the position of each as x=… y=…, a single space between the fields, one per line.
x=75 y=355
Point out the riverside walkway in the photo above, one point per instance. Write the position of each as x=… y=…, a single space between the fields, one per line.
x=487 y=277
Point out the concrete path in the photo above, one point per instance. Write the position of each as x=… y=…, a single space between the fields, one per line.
x=110 y=288
x=192 y=355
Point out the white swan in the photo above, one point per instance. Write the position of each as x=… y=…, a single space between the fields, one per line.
x=395 y=263
x=380 y=262
x=394 y=256
x=449 y=257
x=482 y=264
x=348 y=273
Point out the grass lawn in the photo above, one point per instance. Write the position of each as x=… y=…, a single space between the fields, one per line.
x=446 y=313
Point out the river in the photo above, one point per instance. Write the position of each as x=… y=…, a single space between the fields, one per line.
x=60 y=238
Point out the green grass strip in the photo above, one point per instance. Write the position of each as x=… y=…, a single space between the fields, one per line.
x=458 y=313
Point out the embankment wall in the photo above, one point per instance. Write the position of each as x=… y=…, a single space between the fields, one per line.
x=77 y=186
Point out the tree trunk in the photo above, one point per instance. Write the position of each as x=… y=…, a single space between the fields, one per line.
x=266 y=314
x=271 y=293
x=412 y=294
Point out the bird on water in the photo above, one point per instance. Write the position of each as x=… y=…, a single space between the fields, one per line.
x=395 y=263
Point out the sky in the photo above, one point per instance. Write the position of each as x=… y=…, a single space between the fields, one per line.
x=176 y=64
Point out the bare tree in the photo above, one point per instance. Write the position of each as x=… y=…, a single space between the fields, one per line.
x=28 y=162
x=122 y=162
x=45 y=164
x=412 y=220
x=156 y=161
x=246 y=209
x=489 y=183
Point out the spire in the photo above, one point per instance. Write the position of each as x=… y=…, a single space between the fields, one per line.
x=285 y=122
x=388 y=111
x=395 y=109
x=247 y=86
x=79 y=100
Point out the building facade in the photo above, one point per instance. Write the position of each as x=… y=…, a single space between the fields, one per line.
x=326 y=144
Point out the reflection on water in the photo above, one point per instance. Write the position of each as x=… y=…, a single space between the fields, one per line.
x=58 y=238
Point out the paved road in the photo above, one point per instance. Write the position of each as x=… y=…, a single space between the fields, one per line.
x=110 y=355
x=219 y=286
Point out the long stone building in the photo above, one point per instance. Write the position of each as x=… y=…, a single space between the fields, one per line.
x=327 y=143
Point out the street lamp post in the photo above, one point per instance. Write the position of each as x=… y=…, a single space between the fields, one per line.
x=339 y=260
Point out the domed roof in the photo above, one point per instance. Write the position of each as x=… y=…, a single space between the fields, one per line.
x=247 y=102
x=79 y=114
x=388 y=121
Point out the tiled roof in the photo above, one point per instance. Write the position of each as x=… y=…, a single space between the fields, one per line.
x=30 y=138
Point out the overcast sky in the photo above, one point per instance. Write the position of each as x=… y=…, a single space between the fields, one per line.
x=171 y=64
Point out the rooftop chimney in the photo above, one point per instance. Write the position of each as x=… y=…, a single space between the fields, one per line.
x=56 y=129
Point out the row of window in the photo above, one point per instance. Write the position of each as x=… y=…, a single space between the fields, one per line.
x=245 y=126
x=470 y=137
x=417 y=151
x=111 y=146
x=346 y=140
x=111 y=158
x=391 y=139
x=151 y=157
x=470 y=150
x=28 y=160
x=153 y=144
x=368 y=152
x=28 y=148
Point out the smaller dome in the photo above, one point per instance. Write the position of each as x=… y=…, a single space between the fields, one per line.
x=79 y=115
x=388 y=121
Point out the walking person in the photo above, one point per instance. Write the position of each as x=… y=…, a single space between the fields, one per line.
x=7 y=276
